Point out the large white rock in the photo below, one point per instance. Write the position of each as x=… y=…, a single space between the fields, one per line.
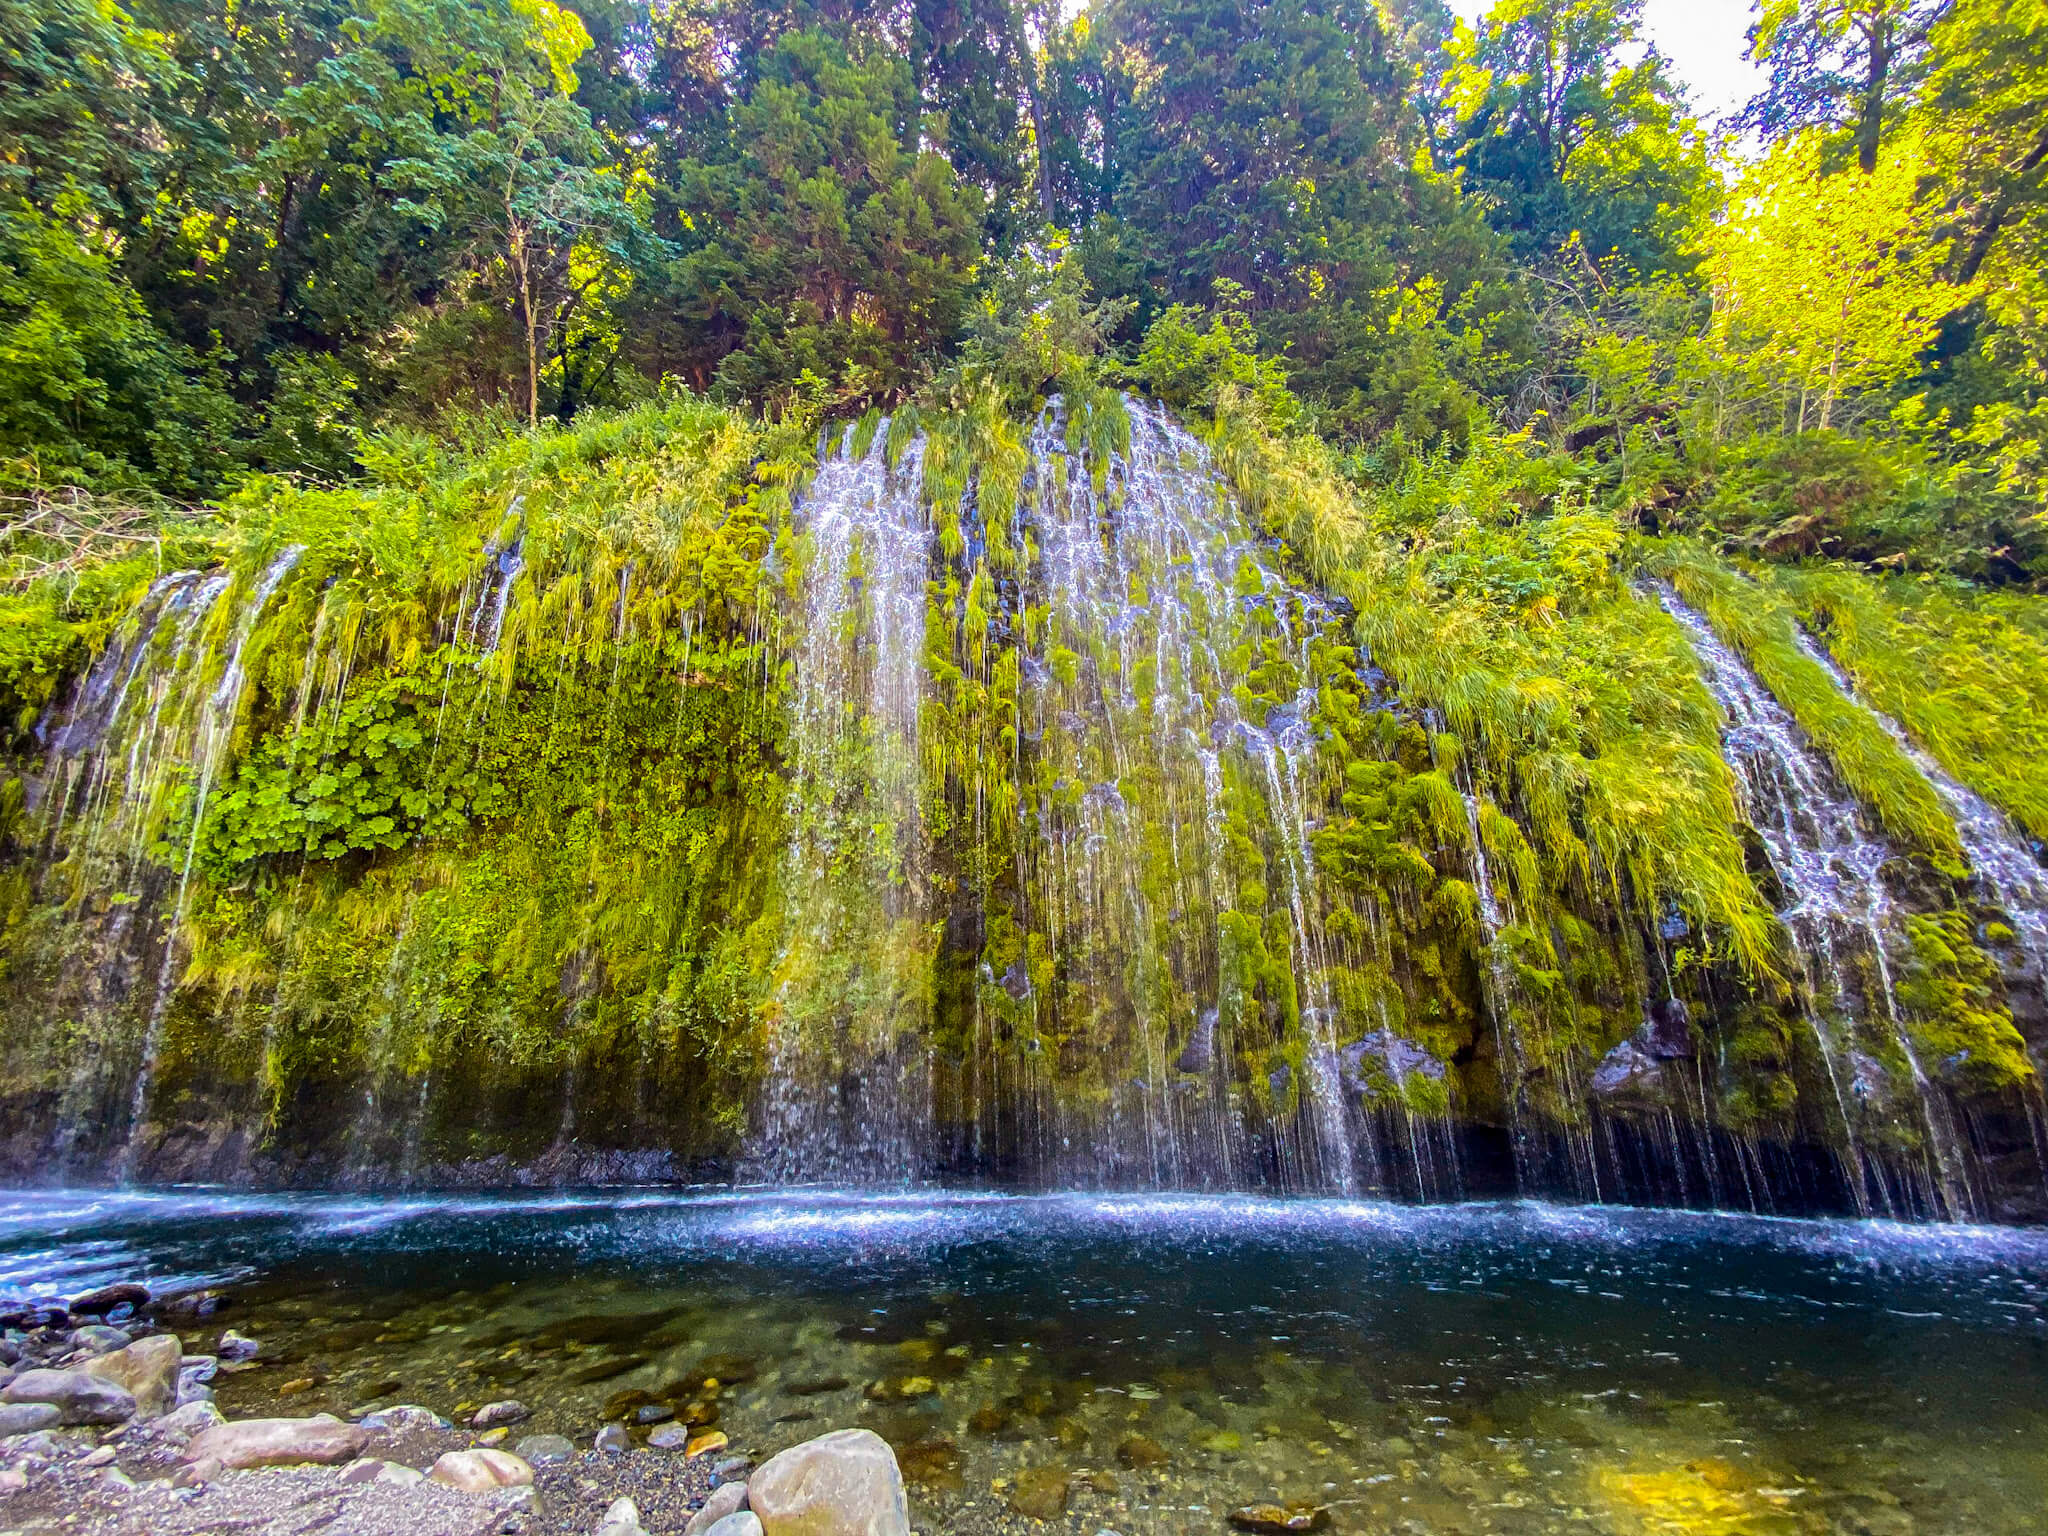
x=843 y=1484
x=279 y=1442
x=745 y=1523
x=480 y=1471
x=147 y=1370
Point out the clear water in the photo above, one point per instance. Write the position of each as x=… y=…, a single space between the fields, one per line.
x=1511 y=1368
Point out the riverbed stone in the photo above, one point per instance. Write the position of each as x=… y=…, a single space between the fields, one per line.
x=621 y=1519
x=842 y=1484
x=1280 y=1519
x=280 y=1442
x=238 y=1346
x=27 y=1418
x=1040 y=1493
x=147 y=1370
x=704 y=1444
x=505 y=1411
x=726 y=1499
x=104 y=1300
x=481 y=1471
x=81 y=1398
x=1141 y=1453
x=743 y=1523
x=670 y=1437
x=545 y=1450
x=613 y=1439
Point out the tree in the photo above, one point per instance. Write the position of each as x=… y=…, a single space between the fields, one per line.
x=1838 y=64
x=1838 y=279
x=1570 y=139
x=817 y=234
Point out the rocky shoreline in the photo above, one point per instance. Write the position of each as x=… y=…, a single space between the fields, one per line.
x=108 y=1424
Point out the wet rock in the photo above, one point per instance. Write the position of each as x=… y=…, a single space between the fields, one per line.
x=1141 y=1453
x=933 y=1462
x=730 y=1469
x=1040 y=1493
x=1629 y=1074
x=147 y=1370
x=621 y=1519
x=1279 y=1520
x=27 y=1418
x=623 y=1405
x=81 y=1398
x=670 y=1437
x=545 y=1450
x=506 y=1411
x=481 y=1471
x=842 y=1484
x=1200 y=1051
x=491 y=1437
x=723 y=1370
x=108 y=1297
x=1667 y=1034
x=1016 y=981
x=727 y=1499
x=280 y=1442
x=102 y=1457
x=820 y=1385
x=745 y=1523
x=237 y=1346
x=13 y=1480
x=653 y=1413
x=398 y=1475
x=1384 y=1053
x=613 y=1439
x=702 y=1445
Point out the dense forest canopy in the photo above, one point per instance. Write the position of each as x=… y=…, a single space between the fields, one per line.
x=238 y=239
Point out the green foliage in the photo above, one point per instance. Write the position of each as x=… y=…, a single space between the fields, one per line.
x=1576 y=144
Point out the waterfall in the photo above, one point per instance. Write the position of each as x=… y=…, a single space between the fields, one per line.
x=1188 y=1036
x=1840 y=914
x=2009 y=877
x=847 y=1094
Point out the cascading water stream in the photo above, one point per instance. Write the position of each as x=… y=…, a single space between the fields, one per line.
x=2007 y=873
x=1837 y=908
x=847 y=1095
x=215 y=727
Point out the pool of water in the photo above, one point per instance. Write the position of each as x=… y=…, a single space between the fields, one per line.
x=1489 y=1368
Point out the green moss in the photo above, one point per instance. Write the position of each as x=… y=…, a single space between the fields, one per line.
x=1759 y=624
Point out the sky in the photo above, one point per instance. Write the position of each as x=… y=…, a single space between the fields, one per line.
x=1704 y=39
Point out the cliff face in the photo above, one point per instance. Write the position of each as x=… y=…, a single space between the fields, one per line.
x=1063 y=801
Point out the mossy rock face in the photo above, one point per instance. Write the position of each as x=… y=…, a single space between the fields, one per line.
x=463 y=856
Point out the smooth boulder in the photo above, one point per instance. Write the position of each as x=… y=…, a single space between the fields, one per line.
x=846 y=1483
x=280 y=1442
x=745 y=1523
x=80 y=1397
x=481 y=1471
x=726 y=1499
x=147 y=1370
